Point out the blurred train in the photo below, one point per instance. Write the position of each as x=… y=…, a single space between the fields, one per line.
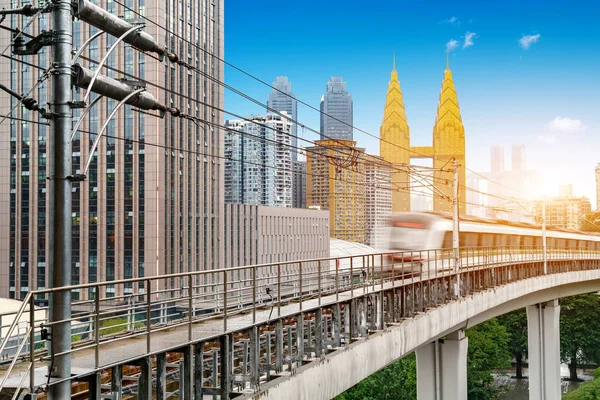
x=413 y=232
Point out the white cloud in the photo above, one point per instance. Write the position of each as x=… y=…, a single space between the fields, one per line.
x=452 y=21
x=451 y=45
x=527 y=40
x=566 y=125
x=469 y=36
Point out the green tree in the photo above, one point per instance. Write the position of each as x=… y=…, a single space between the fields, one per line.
x=588 y=391
x=488 y=350
x=397 y=381
x=579 y=327
x=515 y=323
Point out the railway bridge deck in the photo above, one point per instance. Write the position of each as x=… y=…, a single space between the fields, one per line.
x=289 y=330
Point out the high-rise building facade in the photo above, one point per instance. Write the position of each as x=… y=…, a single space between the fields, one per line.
x=519 y=162
x=503 y=187
x=152 y=202
x=299 y=185
x=283 y=99
x=597 y=187
x=378 y=200
x=564 y=212
x=497 y=159
x=337 y=114
x=448 y=145
x=565 y=191
x=258 y=166
x=337 y=189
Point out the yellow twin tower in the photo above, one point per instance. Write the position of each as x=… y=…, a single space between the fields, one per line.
x=448 y=143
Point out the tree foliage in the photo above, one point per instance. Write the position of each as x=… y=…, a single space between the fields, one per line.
x=488 y=350
x=579 y=327
x=398 y=381
x=515 y=323
x=588 y=391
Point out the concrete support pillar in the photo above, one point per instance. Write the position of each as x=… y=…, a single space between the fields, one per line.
x=543 y=337
x=442 y=369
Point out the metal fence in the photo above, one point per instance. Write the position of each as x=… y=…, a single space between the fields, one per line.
x=106 y=315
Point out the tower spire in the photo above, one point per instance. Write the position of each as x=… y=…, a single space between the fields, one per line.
x=395 y=135
x=447 y=60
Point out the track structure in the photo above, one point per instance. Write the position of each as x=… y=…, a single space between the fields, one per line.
x=226 y=333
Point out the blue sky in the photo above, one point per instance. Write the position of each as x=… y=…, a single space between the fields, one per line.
x=545 y=95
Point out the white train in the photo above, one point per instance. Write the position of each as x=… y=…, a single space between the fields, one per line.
x=414 y=232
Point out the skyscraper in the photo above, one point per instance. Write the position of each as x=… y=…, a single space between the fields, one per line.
x=519 y=162
x=151 y=204
x=448 y=145
x=497 y=159
x=394 y=145
x=565 y=191
x=299 y=185
x=283 y=99
x=341 y=191
x=378 y=200
x=598 y=187
x=337 y=115
x=258 y=169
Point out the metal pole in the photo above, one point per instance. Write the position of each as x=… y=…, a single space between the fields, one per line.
x=60 y=200
x=544 y=235
x=455 y=230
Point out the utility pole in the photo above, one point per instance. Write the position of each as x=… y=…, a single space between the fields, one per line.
x=60 y=148
x=59 y=242
x=455 y=231
x=455 y=226
x=544 y=235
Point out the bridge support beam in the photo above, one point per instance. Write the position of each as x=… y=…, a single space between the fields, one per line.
x=543 y=337
x=442 y=368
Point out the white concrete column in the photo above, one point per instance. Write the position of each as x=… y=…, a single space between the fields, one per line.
x=428 y=372
x=543 y=337
x=442 y=369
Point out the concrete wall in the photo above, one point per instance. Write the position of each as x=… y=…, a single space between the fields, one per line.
x=261 y=235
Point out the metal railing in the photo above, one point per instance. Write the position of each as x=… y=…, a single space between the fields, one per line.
x=109 y=312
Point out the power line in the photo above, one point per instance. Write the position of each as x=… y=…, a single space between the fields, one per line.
x=492 y=181
x=199 y=153
x=16 y=37
x=261 y=81
x=41 y=79
x=411 y=168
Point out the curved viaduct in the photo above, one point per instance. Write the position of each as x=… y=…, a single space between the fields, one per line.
x=308 y=330
x=441 y=371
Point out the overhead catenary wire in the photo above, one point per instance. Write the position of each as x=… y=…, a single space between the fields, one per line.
x=409 y=167
x=492 y=181
x=260 y=80
x=200 y=153
x=40 y=80
x=20 y=33
x=412 y=168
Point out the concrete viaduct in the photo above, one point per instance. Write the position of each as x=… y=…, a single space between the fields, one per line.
x=307 y=329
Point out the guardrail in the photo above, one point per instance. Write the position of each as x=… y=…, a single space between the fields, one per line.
x=107 y=313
